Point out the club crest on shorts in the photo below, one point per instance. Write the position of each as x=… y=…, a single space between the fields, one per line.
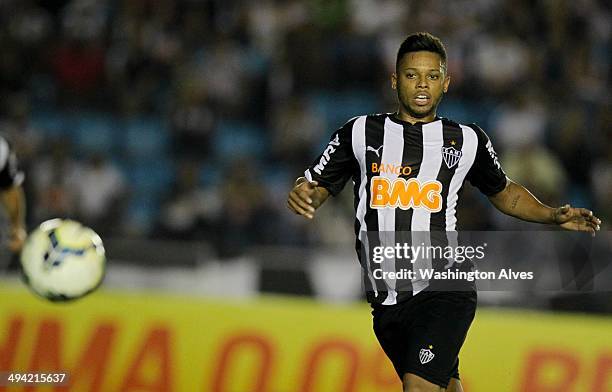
x=451 y=156
x=425 y=355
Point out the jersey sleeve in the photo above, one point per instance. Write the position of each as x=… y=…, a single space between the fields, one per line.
x=336 y=164
x=9 y=172
x=486 y=173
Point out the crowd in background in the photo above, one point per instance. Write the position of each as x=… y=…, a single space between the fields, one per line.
x=191 y=119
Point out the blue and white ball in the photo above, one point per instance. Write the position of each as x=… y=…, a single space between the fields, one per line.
x=63 y=260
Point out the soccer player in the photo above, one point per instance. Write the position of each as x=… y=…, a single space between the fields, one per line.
x=408 y=168
x=12 y=196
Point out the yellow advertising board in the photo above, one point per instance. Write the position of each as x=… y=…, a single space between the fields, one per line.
x=120 y=342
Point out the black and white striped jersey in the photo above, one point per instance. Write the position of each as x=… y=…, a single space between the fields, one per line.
x=407 y=180
x=9 y=173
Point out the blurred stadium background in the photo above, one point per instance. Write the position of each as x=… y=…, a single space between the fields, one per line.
x=175 y=129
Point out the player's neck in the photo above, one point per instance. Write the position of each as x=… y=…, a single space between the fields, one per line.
x=403 y=116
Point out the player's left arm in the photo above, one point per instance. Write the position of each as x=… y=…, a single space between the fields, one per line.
x=515 y=200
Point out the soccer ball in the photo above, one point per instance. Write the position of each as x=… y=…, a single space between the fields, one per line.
x=63 y=260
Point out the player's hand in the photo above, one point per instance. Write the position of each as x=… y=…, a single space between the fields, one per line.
x=304 y=198
x=577 y=219
x=17 y=238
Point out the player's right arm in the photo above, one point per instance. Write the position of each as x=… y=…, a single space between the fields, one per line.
x=306 y=197
x=327 y=175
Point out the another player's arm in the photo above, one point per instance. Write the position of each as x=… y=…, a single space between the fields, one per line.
x=306 y=196
x=12 y=195
x=13 y=201
x=515 y=200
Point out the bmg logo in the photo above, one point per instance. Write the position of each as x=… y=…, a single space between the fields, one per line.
x=405 y=194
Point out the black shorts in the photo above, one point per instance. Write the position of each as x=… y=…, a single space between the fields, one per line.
x=423 y=335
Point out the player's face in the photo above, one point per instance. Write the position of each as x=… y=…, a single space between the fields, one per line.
x=420 y=82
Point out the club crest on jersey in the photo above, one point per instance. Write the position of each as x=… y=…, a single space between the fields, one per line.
x=425 y=355
x=451 y=156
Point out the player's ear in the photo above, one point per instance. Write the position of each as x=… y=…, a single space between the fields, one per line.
x=394 y=81
x=446 y=83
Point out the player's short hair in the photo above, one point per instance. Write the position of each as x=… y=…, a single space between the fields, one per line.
x=417 y=42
